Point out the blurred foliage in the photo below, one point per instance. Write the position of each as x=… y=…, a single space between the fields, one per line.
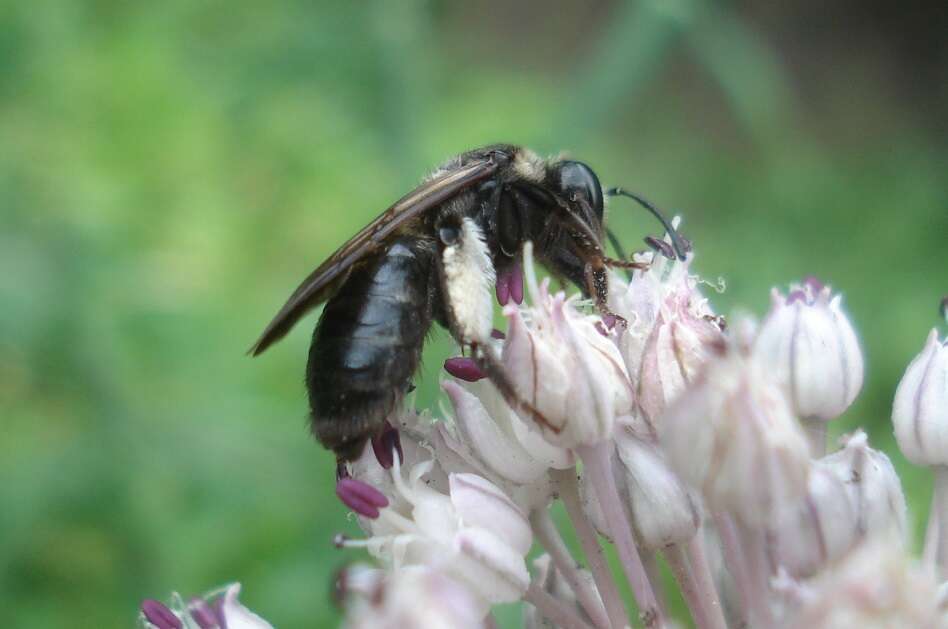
x=169 y=171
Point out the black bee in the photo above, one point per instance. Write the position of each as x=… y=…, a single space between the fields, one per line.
x=434 y=256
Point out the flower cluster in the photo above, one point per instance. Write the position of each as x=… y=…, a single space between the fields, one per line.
x=667 y=433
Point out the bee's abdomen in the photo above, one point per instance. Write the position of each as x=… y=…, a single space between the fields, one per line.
x=367 y=345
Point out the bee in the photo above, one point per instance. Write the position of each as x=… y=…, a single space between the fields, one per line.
x=435 y=256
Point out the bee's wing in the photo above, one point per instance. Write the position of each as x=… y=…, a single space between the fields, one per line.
x=320 y=284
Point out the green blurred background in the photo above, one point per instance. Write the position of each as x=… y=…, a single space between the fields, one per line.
x=170 y=170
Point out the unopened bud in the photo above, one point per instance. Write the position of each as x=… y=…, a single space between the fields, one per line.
x=920 y=411
x=873 y=587
x=811 y=348
x=733 y=436
x=875 y=490
x=663 y=509
x=820 y=528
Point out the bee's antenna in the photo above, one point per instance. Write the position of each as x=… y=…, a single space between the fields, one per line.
x=677 y=243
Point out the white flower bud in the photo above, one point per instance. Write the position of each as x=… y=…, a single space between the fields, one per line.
x=874 y=488
x=809 y=345
x=670 y=329
x=664 y=511
x=560 y=362
x=417 y=597
x=920 y=411
x=661 y=507
x=872 y=587
x=820 y=528
x=852 y=493
x=733 y=436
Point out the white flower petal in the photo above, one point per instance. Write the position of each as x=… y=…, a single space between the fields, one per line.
x=500 y=452
x=482 y=504
x=494 y=570
x=236 y=616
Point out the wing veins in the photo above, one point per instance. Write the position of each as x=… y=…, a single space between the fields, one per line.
x=315 y=289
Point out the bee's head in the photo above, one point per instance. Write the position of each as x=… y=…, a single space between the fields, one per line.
x=573 y=180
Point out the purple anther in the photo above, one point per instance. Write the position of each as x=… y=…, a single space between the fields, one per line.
x=795 y=296
x=339 y=540
x=497 y=334
x=661 y=246
x=203 y=614
x=943 y=307
x=219 y=611
x=609 y=320
x=361 y=497
x=342 y=471
x=158 y=614
x=815 y=285
x=516 y=283
x=502 y=288
x=385 y=444
x=464 y=368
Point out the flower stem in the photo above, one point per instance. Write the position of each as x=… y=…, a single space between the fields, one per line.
x=815 y=430
x=940 y=507
x=736 y=565
x=597 y=461
x=758 y=568
x=931 y=536
x=654 y=574
x=553 y=609
x=545 y=530
x=698 y=560
x=705 y=614
x=569 y=494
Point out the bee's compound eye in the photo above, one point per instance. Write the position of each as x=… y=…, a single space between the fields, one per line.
x=577 y=179
x=449 y=235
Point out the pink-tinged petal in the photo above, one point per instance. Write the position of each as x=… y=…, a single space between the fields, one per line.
x=501 y=453
x=480 y=503
x=158 y=614
x=236 y=616
x=534 y=445
x=733 y=434
x=361 y=497
x=491 y=567
x=464 y=368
